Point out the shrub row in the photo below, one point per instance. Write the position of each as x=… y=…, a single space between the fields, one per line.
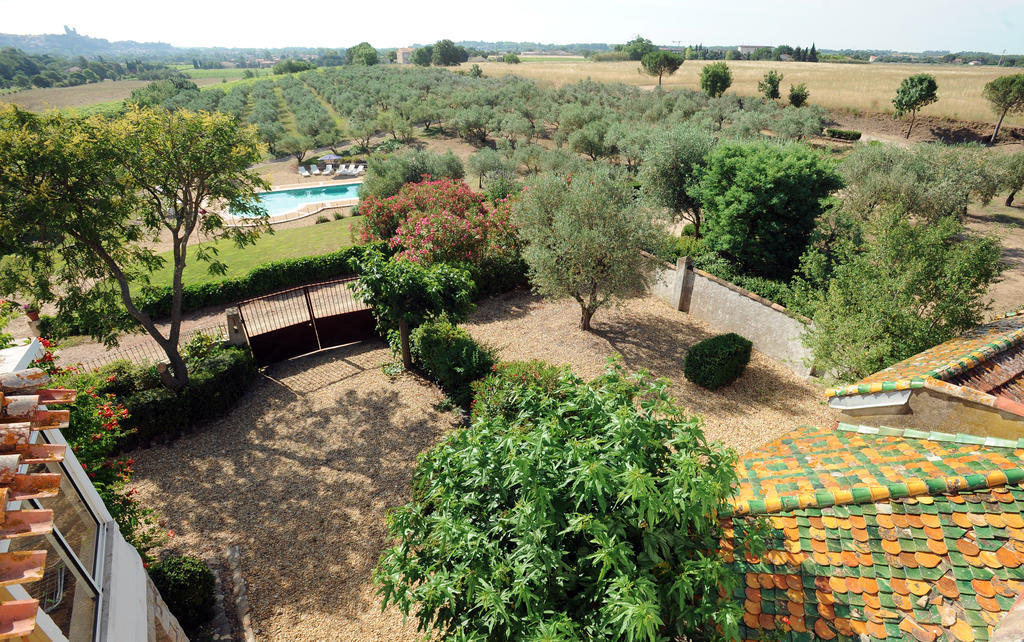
x=451 y=357
x=262 y=279
x=714 y=362
x=216 y=382
x=843 y=134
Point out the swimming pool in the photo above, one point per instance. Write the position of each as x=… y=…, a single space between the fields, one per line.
x=286 y=201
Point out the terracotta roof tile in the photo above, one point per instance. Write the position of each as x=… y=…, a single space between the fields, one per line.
x=882 y=533
x=21 y=396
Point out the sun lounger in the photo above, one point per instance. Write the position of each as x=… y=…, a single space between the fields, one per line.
x=360 y=169
x=346 y=170
x=329 y=169
x=314 y=170
x=303 y=171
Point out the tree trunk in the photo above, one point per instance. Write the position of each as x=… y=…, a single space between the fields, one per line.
x=585 y=317
x=1009 y=198
x=403 y=333
x=913 y=116
x=992 y=141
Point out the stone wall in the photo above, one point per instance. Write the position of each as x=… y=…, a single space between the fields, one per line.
x=774 y=330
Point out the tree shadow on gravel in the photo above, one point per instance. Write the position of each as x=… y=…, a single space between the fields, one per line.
x=659 y=344
x=302 y=482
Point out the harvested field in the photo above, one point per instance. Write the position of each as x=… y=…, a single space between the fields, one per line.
x=301 y=473
x=862 y=88
x=83 y=95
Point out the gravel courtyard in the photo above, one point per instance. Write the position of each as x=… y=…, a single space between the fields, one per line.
x=302 y=472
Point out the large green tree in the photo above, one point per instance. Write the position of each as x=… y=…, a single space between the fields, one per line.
x=715 y=78
x=585 y=235
x=907 y=287
x=568 y=510
x=1006 y=94
x=761 y=202
x=915 y=92
x=671 y=169
x=639 y=47
x=84 y=199
x=446 y=54
x=660 y=63
x=404 y=294
x=769 y=85
x=362 y=54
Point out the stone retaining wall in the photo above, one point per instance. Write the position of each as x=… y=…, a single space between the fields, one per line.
x=774 y=330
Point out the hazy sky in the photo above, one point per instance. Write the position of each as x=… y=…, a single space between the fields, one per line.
x=906 y=25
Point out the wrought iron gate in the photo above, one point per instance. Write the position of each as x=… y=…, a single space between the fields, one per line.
x=305 y=319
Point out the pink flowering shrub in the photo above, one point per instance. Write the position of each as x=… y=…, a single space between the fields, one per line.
x=439 y=221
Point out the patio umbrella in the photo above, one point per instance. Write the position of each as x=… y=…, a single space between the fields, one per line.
x=330 y=157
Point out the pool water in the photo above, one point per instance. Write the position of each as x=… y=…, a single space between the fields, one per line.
x=286 y=201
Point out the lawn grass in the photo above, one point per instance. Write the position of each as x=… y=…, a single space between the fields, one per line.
x=284 y=244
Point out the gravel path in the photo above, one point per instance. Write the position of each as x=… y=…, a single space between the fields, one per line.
x=302 y=472
x=300 y=476
x=766 y=402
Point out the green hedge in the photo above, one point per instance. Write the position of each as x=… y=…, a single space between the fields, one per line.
x=158 y=414
x=843 y=134
x=262 y=279
x=451 y=357
x=501 y=393
x=187 y=585
x=714 y=362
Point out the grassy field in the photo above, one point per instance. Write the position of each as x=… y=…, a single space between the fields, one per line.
x=88 y=96
x=284 y=244
x=861 y=88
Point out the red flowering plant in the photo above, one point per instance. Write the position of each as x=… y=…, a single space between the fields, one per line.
x=94 y=432
x=439 y=221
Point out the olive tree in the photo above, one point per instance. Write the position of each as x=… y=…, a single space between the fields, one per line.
x=671 y=169
x=1006 y=94
x=83 y=200
x=915 y=92
x=907 y=287
x=585 y=237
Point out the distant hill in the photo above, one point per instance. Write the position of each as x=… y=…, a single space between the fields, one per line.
x=72 y=43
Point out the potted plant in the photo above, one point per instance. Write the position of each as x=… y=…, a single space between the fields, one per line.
x=31 y=310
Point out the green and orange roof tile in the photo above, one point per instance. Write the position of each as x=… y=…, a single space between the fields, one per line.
x=879 y=533
x=995 y=348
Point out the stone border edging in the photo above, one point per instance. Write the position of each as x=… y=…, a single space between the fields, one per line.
x=241 y=598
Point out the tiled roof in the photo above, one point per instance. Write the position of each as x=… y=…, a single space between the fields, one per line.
x=21 y=395
x=885 y=533
x=947 y=361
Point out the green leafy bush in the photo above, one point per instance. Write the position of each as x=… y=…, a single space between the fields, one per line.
x=451 y=357
x=187 y=585
x=717 y=361
x=500 y=393
x=689 y=230
x=322 y=219
x=689 y=246
x=843 y=134
x=582 y=511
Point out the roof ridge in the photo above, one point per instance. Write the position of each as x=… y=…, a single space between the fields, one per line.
x=873 y=493
x=933 y=435
x=945 y=371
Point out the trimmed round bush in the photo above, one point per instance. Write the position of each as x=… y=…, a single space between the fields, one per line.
x=187 y=585
x=717 y=361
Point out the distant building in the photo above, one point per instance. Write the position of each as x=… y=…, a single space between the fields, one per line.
x=872 y=58
x=746 y=50
x=975 y=63
x=403 y=55
x=785 y=57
